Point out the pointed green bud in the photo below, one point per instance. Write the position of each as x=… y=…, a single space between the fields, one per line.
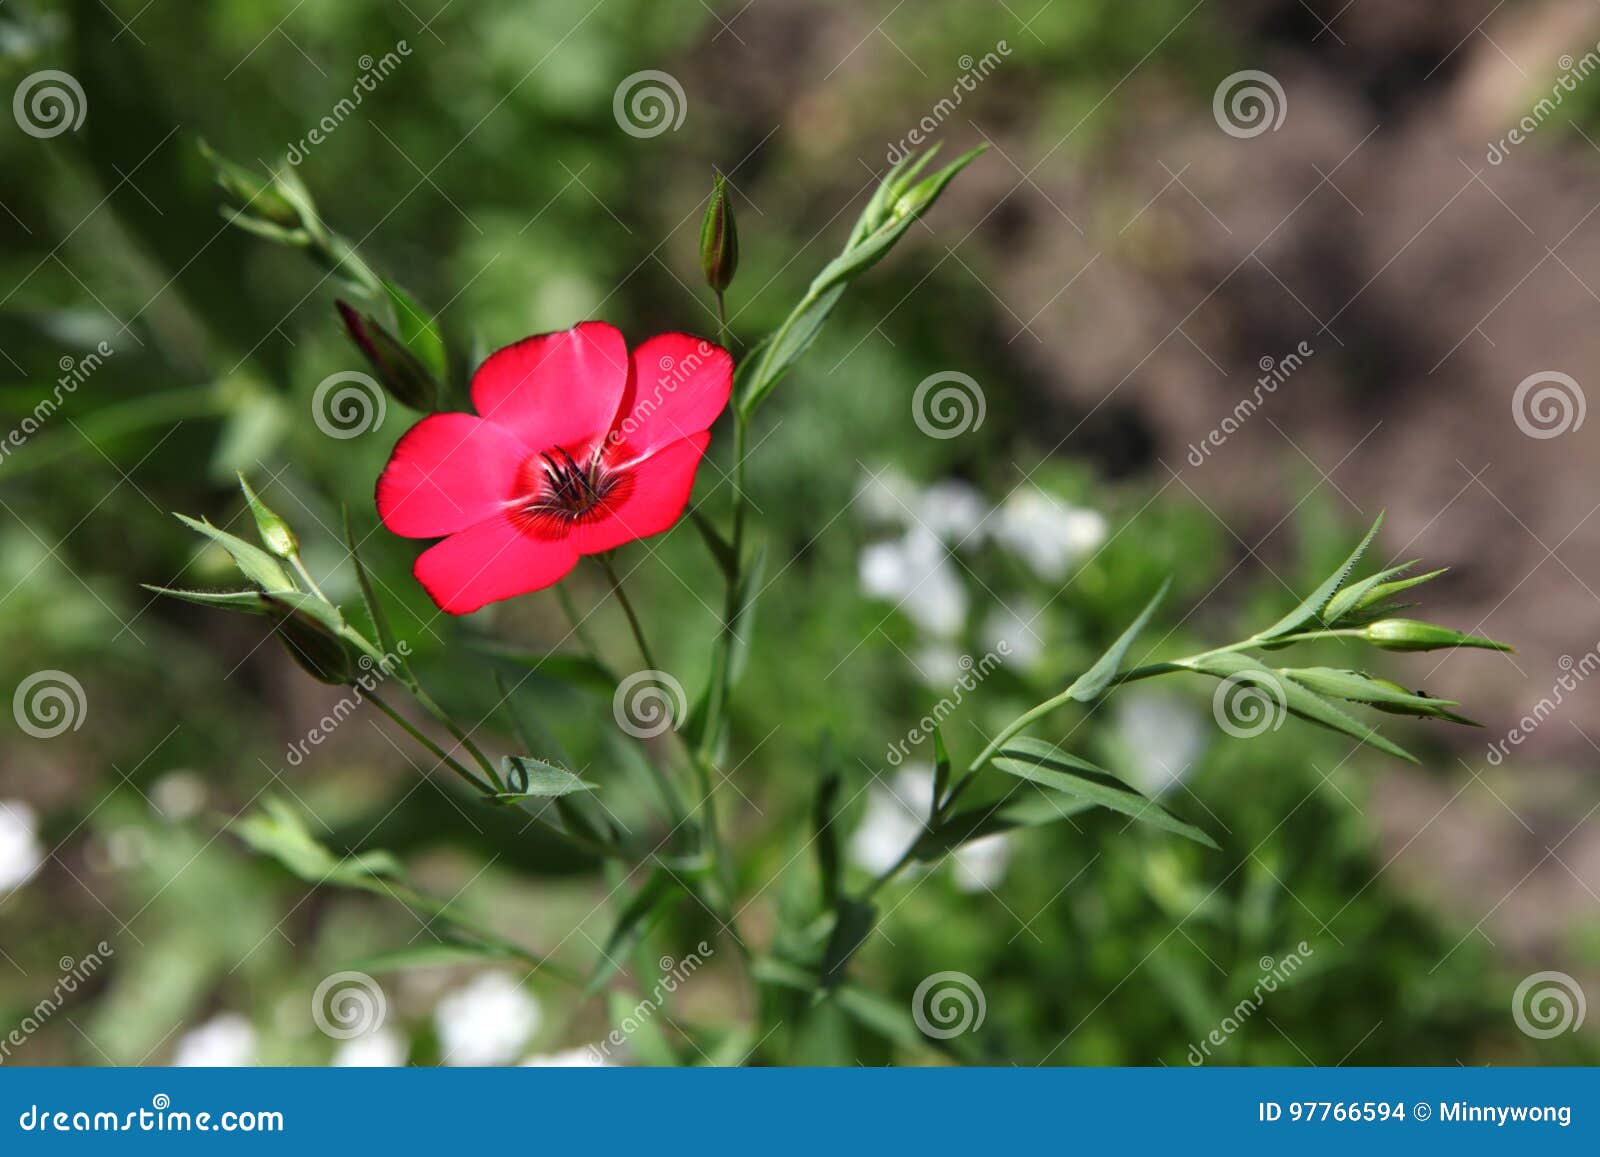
x=399 y=370
x=1369 y=592
x=257 y=198
x=275 y=533
x=719 y=239
x=1413 y=635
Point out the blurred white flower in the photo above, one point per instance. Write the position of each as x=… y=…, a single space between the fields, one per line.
x=227 y=1040
x=486 y=1021
x=894 y=817
x=938 y=663
x=1017 y=629
x=582 y=1057
x=887 y=496
x=953 y=510
x=382 y=1048
x=1164 y=736
x=915 y=572
x=1047 y=533
x=178 y=795
x=20 y=853
x=981 y=865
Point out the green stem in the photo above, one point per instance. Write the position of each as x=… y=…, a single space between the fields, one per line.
x=438 y=752
x=634 y=625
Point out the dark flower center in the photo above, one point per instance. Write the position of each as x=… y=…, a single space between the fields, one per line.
x=563 y=491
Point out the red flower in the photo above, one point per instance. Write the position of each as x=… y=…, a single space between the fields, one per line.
x=580 y=448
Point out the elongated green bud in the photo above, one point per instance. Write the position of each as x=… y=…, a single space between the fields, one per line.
x=719 y=239
x=1412 y=635
x=399 y=370
x=253 y=195
x=275 y=533
x=312 y=637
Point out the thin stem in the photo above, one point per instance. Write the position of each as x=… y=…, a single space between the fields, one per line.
x=627 y=609
x=669 y=792
x=438 y=752
x=570 y=609
x=311 y=583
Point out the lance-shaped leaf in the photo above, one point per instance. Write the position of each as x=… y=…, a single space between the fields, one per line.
x=1358 y=687
x=1041 y=763
x=1297 y=699
x=248 y=602
x=853 y=923
x=435 y=954
x=1024 y=808
x=530 y=778
x=648 y=905
x=278 y=831
x=418 y=330
x=1318 y=598
x=1372 y=590
x=254 y=563
x=1093 y=682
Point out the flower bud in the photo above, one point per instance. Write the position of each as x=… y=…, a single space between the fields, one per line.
x=719 y=239
x=399 y=370
x=1412 y=635
x=1369 y=594
x=275 y=533
x=311 y=633
x=255 y=197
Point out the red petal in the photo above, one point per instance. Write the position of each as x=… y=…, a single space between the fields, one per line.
x=677 y=385
x=555 y=389
x=490 y=561
x=659 y=490
x=447 y=472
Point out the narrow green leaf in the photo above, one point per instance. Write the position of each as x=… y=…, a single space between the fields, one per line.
x=824 y=818
x=1360 y=688
x=438 y=954
x=1093 y=682
x=250 y=602
x=853 y=924
x=418 y=331
x=256 y=564
x=531 y=778
x=1319 y=597
x=721 y=549
x=1299 y=700
x=640 y=914
x=1024 y=808
x=369 y=598
x=941 y=771
x=1041 y=763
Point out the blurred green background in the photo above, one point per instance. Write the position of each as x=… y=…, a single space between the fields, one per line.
x=1112 y=273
